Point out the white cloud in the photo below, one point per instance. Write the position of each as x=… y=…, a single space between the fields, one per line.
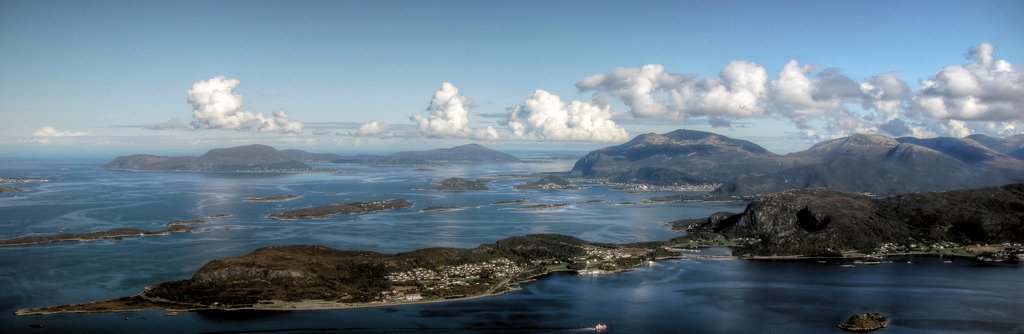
x=449 y=117
x=651 y=91
x=216 y=105
x=886 y=94
x=990 y=89
x=372 y=128
x=545 y=117
x=49 y=131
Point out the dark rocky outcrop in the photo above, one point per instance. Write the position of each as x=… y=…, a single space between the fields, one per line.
x=865 y=322
x=249 y=158
x=823 y=222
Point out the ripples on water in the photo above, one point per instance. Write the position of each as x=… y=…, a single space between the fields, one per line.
x=673 y=296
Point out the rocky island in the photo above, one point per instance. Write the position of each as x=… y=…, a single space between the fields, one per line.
x=300 y=277
x=459 y=184
x=538 y=207
x=549 y=182
x=865 y=322
x=343 y=208
x=6 y=189
x=279 y=198
x=21 y=180
x=115 y=234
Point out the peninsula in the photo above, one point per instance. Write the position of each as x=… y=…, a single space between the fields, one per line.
x=343 y=208
x=315 y=277
x=829 y=223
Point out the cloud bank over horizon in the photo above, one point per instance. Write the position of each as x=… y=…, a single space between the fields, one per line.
x=986 y=96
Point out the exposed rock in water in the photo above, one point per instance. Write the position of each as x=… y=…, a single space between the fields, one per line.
x=511 y=202
x=343 y=208
x=459 y=184
x=271 y=198
x=865 y=322
x=6 y=189
x=542 y=207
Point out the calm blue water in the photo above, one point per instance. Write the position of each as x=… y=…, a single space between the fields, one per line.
x=673 y=296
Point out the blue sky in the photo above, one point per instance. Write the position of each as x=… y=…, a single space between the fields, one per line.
x=101 y=74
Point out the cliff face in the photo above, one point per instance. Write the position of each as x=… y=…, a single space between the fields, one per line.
x=822 y=222
x=241 y=158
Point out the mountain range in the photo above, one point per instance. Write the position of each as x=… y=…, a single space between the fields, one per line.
x=251 y=158
x=859 y=163
x=248 y=158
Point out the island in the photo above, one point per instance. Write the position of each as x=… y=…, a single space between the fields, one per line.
x=537 y=207
x=511 y=202
x=303 y=277
x=865 y=322
x=343 y=208
x=549 y=182
x=21 y=180
x=829 y=223
x=458 y=184
x=593 y=201
x=446 y=208
x=279 y=198
x=6 y=189
x=240 y=159
x=115 y=234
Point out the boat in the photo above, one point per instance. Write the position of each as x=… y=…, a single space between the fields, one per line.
x=601 y=327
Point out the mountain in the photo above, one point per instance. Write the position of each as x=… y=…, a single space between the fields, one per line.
x=679 y=157
x=827 y=222
x=882 y=165
x=247 y=158
x=1011 y=146
x=309 y=157
x=465 y=153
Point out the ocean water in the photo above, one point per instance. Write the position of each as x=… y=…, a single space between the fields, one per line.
x=925 y=296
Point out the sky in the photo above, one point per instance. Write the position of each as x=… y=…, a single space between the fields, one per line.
x=341 y=76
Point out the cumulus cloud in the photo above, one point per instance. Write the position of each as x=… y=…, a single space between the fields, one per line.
x=372 y=128
x=216 y=105
x=49 y=131
x=986 y=96
x=449 y=117
x=886 y=94
x=651 y=91
x=545 y=117
x=990 y=89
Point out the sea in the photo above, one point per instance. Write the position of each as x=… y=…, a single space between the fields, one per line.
x=920 y=295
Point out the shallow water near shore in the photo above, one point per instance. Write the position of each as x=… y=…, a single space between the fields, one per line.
x=926 y=296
